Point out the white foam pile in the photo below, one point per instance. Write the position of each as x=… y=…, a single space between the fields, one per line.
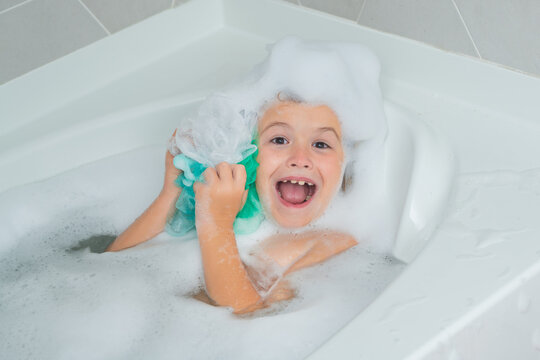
x=344 y=76
x=57 y=303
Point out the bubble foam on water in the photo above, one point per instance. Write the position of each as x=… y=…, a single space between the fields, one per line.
x=61 y=299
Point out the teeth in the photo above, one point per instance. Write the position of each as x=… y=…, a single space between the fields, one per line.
x=308 y=197
x=297 y=182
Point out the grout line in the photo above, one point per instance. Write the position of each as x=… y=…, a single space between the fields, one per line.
x=466 y=29
x=361 y=11
x=15 y=6
x=95 y=17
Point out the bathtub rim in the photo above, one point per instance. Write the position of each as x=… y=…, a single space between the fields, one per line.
x=478 y=74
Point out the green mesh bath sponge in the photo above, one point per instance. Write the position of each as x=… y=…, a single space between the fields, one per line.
x=183 y=219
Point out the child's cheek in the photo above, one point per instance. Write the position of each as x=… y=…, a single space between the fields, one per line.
x=331 y=169
x=267 y=166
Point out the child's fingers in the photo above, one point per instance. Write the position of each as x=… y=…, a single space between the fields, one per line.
x=281 y=291
x=224 y=172
x=210 y=175
x=169 y=161
x=171 y=173
x=239 y=173
x=173 y=135
x=196 y=186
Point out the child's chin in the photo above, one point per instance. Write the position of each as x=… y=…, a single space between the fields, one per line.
x=292 y=222
x=287 y=217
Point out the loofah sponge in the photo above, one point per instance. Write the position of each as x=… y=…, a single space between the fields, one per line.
x=183 y=219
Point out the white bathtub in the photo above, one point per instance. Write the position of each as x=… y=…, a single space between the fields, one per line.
x=459 y=299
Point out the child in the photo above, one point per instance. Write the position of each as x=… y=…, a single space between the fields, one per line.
x=301 y=156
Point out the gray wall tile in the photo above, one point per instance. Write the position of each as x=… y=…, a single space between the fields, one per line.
x=434 y=22
x=504 y=31
x=507 y=32
x=345 y=8
x=41 y=31
x=6 y=4
x=118 y=14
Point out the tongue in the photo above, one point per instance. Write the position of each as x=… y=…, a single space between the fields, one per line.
x=293 y=193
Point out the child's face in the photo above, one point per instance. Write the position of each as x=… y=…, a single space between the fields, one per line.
x=300 y=161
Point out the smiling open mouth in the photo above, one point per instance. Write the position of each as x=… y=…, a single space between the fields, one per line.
x=295 y=192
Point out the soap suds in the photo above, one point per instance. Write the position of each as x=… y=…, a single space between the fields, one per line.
x=63 y=303
x=59 y=299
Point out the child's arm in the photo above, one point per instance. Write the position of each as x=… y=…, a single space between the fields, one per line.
x=218 y=200
x=153 y=220
x=294 y=252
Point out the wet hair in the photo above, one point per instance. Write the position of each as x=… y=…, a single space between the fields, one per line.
x=348 y=177
x=281 y=96
x=287 y=96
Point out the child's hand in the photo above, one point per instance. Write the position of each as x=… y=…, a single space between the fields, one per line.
x=171 y=173
x=219 y=199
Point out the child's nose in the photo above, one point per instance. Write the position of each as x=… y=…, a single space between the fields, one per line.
x=300 y=159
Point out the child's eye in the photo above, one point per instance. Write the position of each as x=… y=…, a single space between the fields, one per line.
x=321 y=145
x=279 y=140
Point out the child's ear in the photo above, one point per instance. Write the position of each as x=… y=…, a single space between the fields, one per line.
x=347 y=181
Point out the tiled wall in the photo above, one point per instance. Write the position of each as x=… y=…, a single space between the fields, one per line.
x=34 y=32
x=503 y=31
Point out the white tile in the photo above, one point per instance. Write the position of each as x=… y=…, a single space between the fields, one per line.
x=6 y=4
x=118 y=14
x=507 y=32
x=433 y=22
x=345 y=8
x=41 y=31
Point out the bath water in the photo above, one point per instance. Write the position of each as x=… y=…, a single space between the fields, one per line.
x=60 y=300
